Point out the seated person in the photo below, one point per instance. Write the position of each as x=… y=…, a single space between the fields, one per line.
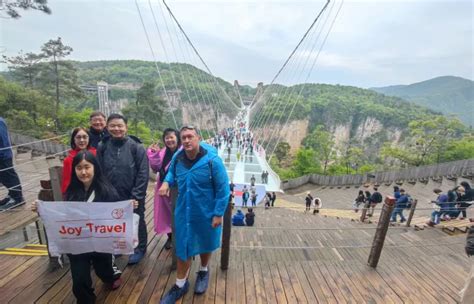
x=249 y=217
x=238 y=218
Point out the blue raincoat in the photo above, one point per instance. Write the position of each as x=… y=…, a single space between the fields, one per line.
x=200 y=198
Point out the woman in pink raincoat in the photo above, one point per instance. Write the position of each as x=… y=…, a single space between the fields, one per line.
x=160 y=162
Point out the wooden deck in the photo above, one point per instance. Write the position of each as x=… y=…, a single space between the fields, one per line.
x=280 y=260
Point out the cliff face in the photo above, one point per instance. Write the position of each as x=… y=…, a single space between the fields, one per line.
x=368 y=132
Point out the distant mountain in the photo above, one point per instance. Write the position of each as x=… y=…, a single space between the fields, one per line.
x=446 y=94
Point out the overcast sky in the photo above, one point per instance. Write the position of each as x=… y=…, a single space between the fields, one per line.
x=372 y=43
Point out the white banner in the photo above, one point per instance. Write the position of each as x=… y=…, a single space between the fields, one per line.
x=79 y=227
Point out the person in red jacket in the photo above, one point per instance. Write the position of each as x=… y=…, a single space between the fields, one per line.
x=79 y=141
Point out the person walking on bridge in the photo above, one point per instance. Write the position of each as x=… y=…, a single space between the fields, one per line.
x=8 y=176
x=203 y=196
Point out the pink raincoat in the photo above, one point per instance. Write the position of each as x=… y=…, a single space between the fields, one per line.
x=162 y=204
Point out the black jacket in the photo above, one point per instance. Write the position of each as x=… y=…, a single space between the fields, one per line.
x=95 y=137
x=125 y=164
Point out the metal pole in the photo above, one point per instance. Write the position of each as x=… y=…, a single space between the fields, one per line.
x=381 y=232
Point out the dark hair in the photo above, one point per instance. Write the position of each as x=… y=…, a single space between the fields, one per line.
x=466 y=186
x=73 y=135
x=117 y=116
x=96 y=113
x=437 y=190
x=249 y=210
x=75 y=190
x=376 y=189
x=402 y=190
x=367 y=193
x=169 y=131
x=361 y=192
x=396 y=188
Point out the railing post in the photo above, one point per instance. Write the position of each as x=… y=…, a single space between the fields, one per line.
x=364 y=211
x=412 y=212
x=226 y=230
x=56 y=175
x=381 y=231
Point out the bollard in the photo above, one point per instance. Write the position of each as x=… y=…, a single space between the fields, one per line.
x=226 y=229
x=381 y=232
x=412 y=212
x=364 y=211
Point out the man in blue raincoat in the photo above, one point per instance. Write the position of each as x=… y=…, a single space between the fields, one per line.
x=203 y=196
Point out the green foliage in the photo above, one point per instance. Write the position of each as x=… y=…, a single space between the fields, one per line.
x=12 y=7
x=282 y=151
x=459 y=149
x=306 y=162
x=427 y=143
x=322 y=143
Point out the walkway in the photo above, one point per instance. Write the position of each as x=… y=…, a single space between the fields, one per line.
x=286 y=264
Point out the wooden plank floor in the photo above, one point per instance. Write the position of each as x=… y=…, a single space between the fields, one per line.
x=280 y=260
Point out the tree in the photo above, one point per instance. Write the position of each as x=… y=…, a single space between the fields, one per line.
x=59 y=74
x=306 y=162
x=428 y=141
x=322 y=143
x=10 y=8
x=24 y=67
x=148 y=108
x=282 y=151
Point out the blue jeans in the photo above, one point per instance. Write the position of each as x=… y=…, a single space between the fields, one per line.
x=398 y=211
x=436 y=216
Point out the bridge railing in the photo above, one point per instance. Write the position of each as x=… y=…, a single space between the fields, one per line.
x=461 y=168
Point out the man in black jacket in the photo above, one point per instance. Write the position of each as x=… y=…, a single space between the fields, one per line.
x=123 y=160
x=97 y=130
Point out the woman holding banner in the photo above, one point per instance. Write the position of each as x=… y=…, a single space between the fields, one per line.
x=79 y=142
x=159 y=162
x=88 y=184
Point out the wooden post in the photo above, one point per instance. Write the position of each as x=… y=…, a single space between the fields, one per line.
x=56 y=175
x=173 y=197
x=412 y=212
x=226 y=229
x=381 y=231
x=364 y=211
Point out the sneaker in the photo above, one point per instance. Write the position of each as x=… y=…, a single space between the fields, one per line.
x=202 y=281
x=175 y=293
x=403 y=220
x=5 y=200
x=136 y=257
x=117 y=272
x=10 y=204
x=168 y=244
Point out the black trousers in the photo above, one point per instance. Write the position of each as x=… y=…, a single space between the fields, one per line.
x=81 y=274
x=142 y=232
x=10 y=179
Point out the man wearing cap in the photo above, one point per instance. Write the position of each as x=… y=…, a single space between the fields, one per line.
x=203 y=196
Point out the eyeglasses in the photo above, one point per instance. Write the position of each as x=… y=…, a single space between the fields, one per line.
x=79 y=137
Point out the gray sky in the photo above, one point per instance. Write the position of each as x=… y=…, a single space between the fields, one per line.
x=373 y=43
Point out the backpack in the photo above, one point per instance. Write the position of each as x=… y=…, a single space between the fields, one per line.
x=376 y=197
x=409 y=202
